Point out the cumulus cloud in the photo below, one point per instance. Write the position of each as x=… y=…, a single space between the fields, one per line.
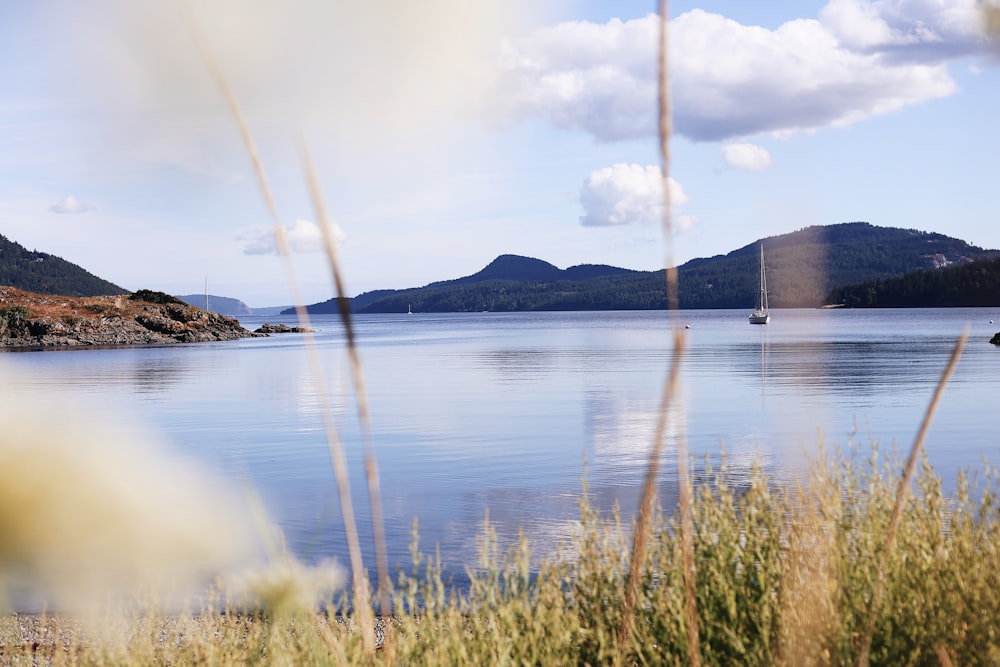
x=597 y=77
x=626 y=194
x=857 y=60
x=303 y=237
x=908 y=29
x=70 y=205
x=746 y=156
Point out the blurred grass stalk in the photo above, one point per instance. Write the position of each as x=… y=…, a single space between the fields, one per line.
x=359 y=578
x=364 y=414
x=902 y=492
x=642 y=532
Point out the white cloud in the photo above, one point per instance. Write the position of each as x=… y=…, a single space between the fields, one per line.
x=597 y=77
x=303 y=237
x=626 y=194
x=746 y=156
x=70 y=205
x=858 y=60
x=909 y=29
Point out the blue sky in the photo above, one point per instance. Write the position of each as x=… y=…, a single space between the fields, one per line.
x=445 y=134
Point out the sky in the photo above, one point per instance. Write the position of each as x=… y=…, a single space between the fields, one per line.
x=444 y=133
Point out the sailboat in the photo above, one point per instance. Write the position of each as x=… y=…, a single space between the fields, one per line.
x=760 y=315
x=409 y=311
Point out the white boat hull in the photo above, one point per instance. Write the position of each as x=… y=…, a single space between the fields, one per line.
x=760 y=318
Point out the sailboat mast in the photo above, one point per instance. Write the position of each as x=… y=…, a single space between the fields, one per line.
x=763 y=280
x=761 y=316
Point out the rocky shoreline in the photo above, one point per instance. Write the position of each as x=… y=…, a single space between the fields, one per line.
x=34 y=321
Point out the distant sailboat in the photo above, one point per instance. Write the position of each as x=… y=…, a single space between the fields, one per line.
x=760 y=315
x=409 y=311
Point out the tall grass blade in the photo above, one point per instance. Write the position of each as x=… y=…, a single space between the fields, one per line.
x=358 y=578
x=942 y=655
x=360 y=391
x=640 y=540
x=902 y=491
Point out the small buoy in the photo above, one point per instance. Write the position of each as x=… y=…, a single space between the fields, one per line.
x=687 y=326
x=991 y=321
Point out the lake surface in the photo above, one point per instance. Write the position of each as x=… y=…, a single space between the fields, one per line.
x=511 y=412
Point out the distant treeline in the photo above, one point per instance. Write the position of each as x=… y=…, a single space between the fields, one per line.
x=638 y=291
x=974 y=285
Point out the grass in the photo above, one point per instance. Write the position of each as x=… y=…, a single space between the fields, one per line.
x=784 y=575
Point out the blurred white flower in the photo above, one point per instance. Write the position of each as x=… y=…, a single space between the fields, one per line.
x=90 y=511
x=287 y=586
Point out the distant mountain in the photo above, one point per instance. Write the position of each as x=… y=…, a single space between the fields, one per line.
x=479 y=291
x=43 y=273
x=218 y=304
x=803 y=267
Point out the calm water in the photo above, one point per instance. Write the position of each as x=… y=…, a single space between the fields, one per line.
x=511 y=412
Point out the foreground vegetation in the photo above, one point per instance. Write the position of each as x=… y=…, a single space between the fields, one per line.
x=784 y=576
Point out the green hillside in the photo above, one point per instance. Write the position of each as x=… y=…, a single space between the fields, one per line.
x=508 y=283
x=803 y=267
x=974 y=285
x=47 y=274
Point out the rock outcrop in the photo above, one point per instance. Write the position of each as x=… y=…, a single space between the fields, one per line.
x=29 y=320
x=996 y=339
x=267 y=329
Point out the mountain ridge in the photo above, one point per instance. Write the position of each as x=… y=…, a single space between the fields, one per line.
x=804 y=268
x=808 y=267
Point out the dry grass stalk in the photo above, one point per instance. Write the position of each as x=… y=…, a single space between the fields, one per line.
x=942 y=656
x=642 y=534
x=643 y=528
x=991 y=19
x=358 y=576
x=902 y=492
x=810 y=584
x=371 y=466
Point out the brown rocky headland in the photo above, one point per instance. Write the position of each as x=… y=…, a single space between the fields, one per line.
x=29 y=320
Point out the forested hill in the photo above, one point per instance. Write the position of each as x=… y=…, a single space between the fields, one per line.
x=973 y=285
x=803 y=267
x=42 y=273
x=510 y=282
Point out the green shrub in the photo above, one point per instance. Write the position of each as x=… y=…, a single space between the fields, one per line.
x=151 y=296
x=13 y=320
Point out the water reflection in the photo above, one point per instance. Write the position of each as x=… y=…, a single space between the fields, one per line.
x=511 y=413
x=621 y=430
x=516 y=365
x=159 y=375
x=859 y=367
